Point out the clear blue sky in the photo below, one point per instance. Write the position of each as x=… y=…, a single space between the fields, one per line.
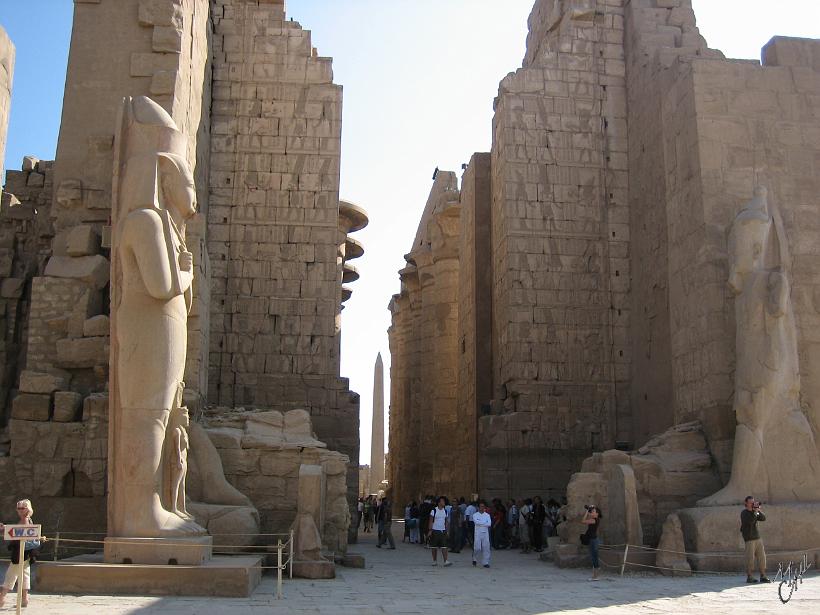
x=419 y=77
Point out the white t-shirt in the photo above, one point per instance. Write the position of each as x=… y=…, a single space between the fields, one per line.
x=482 y=522
x=522 y=515
x=469 y=512
x=439 y=517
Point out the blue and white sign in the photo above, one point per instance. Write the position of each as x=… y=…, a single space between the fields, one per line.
x=21 y=532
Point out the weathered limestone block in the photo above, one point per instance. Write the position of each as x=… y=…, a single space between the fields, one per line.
x=274 y=430
x=30 y=163
x=67 y=406
x=35 y=180
x=786 y=51
x=31 y=407
x=163 y=82
x=75 y=353
x=160 y=13
x=50 y=476
x=95 y=407
x=167 y=39
x=38 y=382
x=670 y=558
x=90 y=477
x=307 y=540
x=12 y=288
x=623 y=518
x=82 y=240
x=229 y=525
x=226 y=437
x=97 y=326
x=93 y=270
x=69 y=194
x=584 y=488
x=266 y=467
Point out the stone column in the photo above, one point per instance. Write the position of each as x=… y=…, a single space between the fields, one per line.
x=377 y=436
x=444 y=231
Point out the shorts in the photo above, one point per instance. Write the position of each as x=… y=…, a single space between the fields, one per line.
x=438 y=539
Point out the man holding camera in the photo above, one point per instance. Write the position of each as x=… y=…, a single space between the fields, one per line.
x=749 y=517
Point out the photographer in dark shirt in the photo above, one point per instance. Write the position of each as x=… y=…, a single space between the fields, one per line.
x=749 y=517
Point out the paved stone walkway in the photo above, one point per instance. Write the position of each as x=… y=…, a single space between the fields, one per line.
x=403 y=582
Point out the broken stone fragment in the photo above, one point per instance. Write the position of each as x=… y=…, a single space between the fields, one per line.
x=97 y=326
x=67 y=405
x=93 y=270
x=95 y=407
x=70 y=193
x=12 y=288
x=167 y=39
x=31 y=407
x=82 y=352
x=39 y=382
x=30 y=163
x=35 y=180
x=82 y=240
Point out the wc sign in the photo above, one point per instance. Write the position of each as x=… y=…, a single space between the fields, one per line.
x=21 y=532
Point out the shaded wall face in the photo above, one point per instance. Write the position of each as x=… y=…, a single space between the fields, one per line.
x=273 y=224
x=755 y=125
x=653 y=39
x=273 y=221
x=474 y=317
x=405 y=391
x=560 y=240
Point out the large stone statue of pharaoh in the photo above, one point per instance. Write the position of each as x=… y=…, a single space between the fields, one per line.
x=775 y=456
x=151 y=297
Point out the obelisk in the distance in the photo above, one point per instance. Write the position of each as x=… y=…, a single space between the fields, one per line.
x=377 y=435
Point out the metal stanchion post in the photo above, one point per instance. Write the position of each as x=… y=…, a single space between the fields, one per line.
x=623 y=564
x=290 y=559
x=21 y=561
x=279 y=569
x=56 y=546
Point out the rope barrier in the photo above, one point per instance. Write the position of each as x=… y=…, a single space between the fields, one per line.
x=172 y=544
x=625 y=562
x=62 y=533
x=687 y=553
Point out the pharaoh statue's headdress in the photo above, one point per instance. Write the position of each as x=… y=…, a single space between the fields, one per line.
x=760 y=213
x=145 y=132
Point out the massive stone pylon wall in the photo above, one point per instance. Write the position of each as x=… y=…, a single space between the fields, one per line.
x=622 y=150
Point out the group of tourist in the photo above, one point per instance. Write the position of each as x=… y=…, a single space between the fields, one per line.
x=447 y=527
x=524 y=524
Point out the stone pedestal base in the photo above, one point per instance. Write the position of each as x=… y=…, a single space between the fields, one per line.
x=712 y=533
x=317 y=569
x=192 y=551
x=87 y=574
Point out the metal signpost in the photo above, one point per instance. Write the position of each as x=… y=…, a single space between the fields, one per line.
x=21 y=533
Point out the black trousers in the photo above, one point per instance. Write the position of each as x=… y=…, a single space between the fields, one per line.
x=538 y=536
